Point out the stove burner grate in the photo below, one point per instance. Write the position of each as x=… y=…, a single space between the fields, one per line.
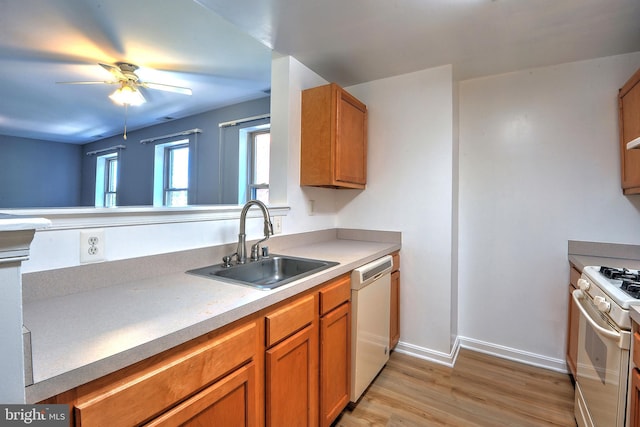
x=630 y=279
x=619 y=273
x=632 y=287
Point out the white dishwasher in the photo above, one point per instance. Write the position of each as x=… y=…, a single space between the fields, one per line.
x=370 y=321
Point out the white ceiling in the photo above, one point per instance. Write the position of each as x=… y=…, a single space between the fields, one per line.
x=347 y=41
x=353 y=41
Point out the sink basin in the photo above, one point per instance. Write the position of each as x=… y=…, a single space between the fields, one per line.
x=268 y=273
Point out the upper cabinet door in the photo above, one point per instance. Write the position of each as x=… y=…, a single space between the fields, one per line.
x=333 y=139
x=351 y=140
x=629 y=105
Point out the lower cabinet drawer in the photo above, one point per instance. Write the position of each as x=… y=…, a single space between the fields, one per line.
x=285 y=321
x=335 y=293
x=150 y=391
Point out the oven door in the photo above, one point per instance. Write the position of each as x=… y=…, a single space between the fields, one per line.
x=602 y=368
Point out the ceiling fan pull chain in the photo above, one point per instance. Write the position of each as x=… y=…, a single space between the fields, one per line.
x=126 y=109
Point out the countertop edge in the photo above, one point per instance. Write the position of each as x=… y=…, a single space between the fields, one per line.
x=583 y=253
x=581 y=261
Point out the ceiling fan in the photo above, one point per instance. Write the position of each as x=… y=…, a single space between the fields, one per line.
x=129 y=82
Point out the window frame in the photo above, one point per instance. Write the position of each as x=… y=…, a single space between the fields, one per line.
x=252 y=186
x=162 y=172
x=111 y=178
x=169 y=158
x=105 y=176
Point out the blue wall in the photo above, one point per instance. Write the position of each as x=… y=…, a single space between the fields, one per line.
x=35 y=173
x=135 y=186
x=40 y=174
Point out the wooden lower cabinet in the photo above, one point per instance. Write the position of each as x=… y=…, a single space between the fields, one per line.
x=634 y=399
x=394 y=327
x=228 y=403
x=291 y=369
x=142 y=392
x=634 y=390
x=573 y=319
x=287 y=365
x=335 y=363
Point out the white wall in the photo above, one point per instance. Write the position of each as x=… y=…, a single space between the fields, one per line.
x=409 y=189
x=291 y=77
x=539 y=165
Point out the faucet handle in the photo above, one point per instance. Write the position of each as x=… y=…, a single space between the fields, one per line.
x=226 y=261
x=265 y=252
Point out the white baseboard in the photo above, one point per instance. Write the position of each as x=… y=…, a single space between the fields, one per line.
x=449 y=359
x=533 y=359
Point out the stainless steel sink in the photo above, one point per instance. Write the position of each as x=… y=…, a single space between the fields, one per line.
x=267 y=273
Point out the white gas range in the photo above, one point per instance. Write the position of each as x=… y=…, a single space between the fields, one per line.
x=604 y=297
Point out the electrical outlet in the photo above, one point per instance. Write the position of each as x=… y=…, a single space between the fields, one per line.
x=92 y=245
x=277 y=224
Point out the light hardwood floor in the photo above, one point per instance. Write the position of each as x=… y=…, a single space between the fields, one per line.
x=480 y=390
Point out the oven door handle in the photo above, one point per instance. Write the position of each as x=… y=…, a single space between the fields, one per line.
x=607 y=333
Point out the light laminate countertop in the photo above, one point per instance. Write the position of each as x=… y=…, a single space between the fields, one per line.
x=82 y=336
x=582 y=254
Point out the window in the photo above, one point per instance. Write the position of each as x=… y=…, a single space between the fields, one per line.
x=244 y=162
x=106 y=180
x=171 y=174
x=176 y=179
x=259 y=165
x=111 y=181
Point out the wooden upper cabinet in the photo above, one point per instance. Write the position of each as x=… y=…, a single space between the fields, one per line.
x=334 y=139
x=629 y=117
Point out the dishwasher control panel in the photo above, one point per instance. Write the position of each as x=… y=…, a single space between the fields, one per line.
x=366 y=274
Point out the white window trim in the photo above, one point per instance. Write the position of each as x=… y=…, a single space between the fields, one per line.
x=244 y=165
x=159 y=170
x=101 y=162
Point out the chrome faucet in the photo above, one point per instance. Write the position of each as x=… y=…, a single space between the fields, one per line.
x=241 y=252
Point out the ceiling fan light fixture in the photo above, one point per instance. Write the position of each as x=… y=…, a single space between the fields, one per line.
x=127 y=95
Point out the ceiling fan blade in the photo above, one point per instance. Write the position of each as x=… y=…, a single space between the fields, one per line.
x=166 y=88
x=114 y=70
x=88 y=83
